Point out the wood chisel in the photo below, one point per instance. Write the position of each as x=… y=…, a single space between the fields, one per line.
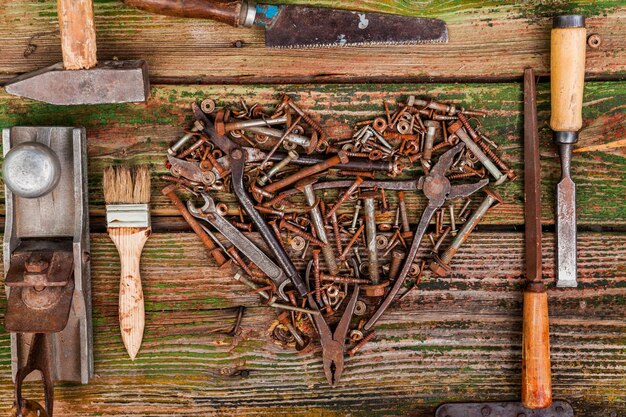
x=567 y=82
x=291 y=26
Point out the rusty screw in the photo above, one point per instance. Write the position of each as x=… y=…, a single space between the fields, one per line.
x=299 y=232
x=440 y=265
x=344 y=197
x=343 y=280
x=406 y=229
x=362 y=343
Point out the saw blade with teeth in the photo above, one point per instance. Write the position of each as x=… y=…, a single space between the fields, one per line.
x=309 y=27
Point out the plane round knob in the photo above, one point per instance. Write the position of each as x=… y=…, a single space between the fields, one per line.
x=31 y=170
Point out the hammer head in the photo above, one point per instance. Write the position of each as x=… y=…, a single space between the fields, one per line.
x=108 y=82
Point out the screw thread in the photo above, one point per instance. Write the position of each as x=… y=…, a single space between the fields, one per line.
x=362 y=343
x=298 y=232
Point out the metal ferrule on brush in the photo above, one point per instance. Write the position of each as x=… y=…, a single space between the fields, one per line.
x=128 y=215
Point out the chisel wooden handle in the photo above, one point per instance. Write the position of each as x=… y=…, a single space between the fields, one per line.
x=536 y=376
x=233 y=12
x=129 y=242
x=78 y=34
x=567 y=77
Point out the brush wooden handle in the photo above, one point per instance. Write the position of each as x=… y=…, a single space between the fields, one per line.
x=231 y=12
x=129 y=242
x=567 y=72
x=78 y=34
x=536 y=374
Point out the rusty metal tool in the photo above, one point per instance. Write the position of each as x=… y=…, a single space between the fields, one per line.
x=536 y=377
x=46 y=248
x=333 y=343
x=38 y=360
x=236 y=163
x=438 y=190
x=209 y=214
x=80 y=79
x=292 y=26
x=567 y=79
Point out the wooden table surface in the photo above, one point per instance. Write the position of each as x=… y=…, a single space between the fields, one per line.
x=458 y=337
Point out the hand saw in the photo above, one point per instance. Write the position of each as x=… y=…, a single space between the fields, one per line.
x=291 y=26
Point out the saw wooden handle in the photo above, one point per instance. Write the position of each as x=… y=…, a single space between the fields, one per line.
x=232 y=12
x=567 y=77
x=78 y=34
x=129 y=242
x=536 y=374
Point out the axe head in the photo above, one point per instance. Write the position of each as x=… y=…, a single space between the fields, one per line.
x=108 y=82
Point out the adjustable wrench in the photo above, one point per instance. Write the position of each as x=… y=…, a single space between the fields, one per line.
x=209 y=214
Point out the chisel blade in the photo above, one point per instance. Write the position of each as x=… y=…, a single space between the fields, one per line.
x=566 y=233
x=290 y=26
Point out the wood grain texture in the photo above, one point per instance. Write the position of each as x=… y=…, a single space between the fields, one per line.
x=488 y=39
x=129 y=243
x=141 y=133
x=458 y=337
x=536 y=377
x=78 y=34
x=567 y=78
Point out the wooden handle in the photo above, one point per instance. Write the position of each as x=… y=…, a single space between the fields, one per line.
x=567 y=78
x=129 y=242
x=227 y=11
x=78 y=34
x=536 y=376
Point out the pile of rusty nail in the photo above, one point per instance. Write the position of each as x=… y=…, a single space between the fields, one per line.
x=275 y=160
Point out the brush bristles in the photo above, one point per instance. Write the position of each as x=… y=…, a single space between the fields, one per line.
x=126 y=185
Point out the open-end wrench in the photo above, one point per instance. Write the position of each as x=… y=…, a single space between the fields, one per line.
x=236 y=158
x=209 y=214
x=438 y=190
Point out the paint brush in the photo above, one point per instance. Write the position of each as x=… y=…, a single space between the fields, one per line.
x=127 y=194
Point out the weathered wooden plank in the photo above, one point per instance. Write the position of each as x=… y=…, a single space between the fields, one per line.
x=456 y=338
x=488 y=39
x=141 y=133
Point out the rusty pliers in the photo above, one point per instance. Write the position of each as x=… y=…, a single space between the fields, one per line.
x=333 y=343
x=437 y=189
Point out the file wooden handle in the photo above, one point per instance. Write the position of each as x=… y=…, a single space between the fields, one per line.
x=536 y=374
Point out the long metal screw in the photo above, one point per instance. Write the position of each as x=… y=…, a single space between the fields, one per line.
x=306 y=118
x=353 y=240
x=318 y=225
x=173 y=150
x=316 y=275
x=355 y=217
x=458 y=129
x=283 y=318
x=335 y=224
x=291 y=156
x=362 y=343
x=299 y=232
x=396 y=261
x=343 y=280
x=427 y=152
x=440 y=265
x=369 y=199
x=406 y=228
x=344 y=197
